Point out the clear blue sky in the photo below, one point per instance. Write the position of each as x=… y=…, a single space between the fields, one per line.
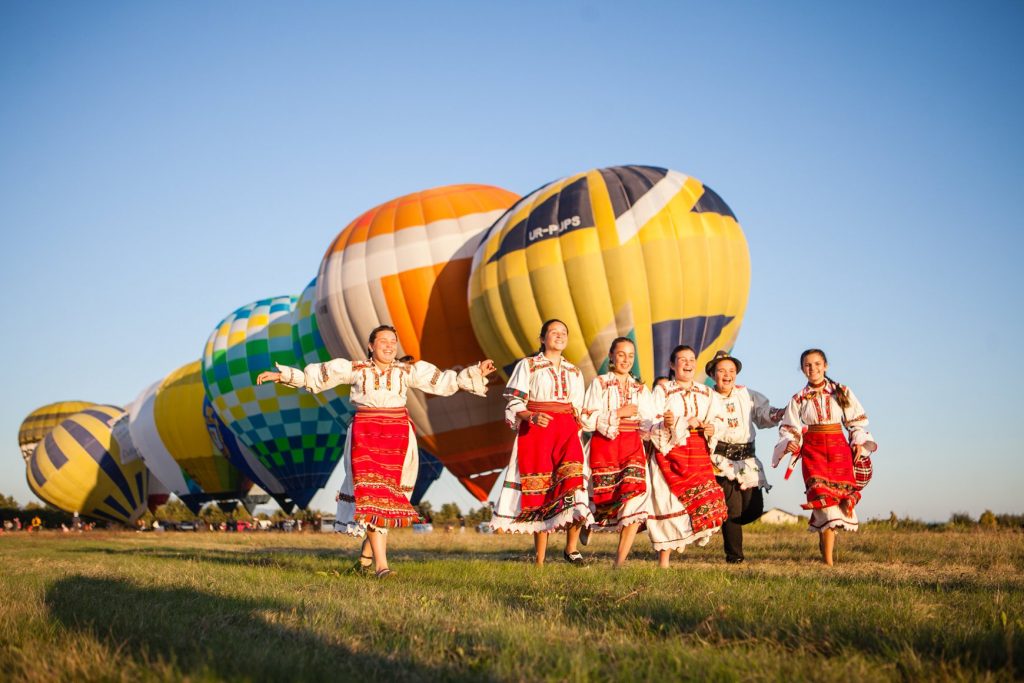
x=163 y=163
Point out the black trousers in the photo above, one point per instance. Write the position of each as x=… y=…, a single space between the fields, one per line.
x=744 y=507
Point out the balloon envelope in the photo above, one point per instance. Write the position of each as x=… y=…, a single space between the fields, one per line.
x=406 y=263
x=40 y=421
x=168 y=428
x=291 y=434
x=635 y=251
x=77 y=468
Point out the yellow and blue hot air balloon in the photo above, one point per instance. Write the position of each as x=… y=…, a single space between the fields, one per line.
x=40 y=421
x=636 y=251
x=77 y=467
x=169 y=429
x=292 y=435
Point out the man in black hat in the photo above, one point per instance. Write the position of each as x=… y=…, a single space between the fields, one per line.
x=737 y=469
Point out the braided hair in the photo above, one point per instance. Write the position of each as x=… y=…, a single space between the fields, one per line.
x=840 y=392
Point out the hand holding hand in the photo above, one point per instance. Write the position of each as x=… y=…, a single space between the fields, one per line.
x=670 y=419
x=486 y=367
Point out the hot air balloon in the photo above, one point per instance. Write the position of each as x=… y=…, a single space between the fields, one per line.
x=309 y=347
x=295 y=438
x=406 y=263
x=168 y=428
x=77 y=467
x=636 y=251
x=40 y=421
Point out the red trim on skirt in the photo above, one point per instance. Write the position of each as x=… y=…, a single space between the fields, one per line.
x=827 y=468
x=618 y=471
x=550 y=461
x=380 y=441
x=691 y=478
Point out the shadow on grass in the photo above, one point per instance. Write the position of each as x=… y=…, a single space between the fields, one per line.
x=301 y=558
x=203 y=635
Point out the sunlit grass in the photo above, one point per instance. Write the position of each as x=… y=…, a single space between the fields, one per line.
x=261 y=606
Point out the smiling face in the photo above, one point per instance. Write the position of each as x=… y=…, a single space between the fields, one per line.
x=725 y=376
x=621 y=358
x=384 y=346
x=684 y=365
x=814 y=367
x=556 y=337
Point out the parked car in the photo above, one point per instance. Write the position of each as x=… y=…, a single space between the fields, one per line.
x=188 y=526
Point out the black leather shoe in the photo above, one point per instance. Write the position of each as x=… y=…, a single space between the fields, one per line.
x=734 y=560
x=573 y=558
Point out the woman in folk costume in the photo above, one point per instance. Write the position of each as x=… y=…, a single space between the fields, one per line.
x=380 y=452
x=812 y=431
x=619 y=409
x=738 y=471
x=687 y=504
x=544 y=488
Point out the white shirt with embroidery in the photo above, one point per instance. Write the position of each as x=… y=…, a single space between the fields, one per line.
x=745 y=411
x=697 y=401
x=538 y=379
x=388 y=388
x=604 y=398
x=818 y=406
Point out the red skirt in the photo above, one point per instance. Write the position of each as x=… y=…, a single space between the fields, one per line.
x=380 y=439
x=691 y=478
x=618 y=471
x=550 y=462
x=827 y=467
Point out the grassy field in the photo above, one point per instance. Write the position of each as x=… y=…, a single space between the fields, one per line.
x=267 y=606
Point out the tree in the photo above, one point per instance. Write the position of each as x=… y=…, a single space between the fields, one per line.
x=174 y=511
x=448 y=514
x=8 y=503
x=987 y=520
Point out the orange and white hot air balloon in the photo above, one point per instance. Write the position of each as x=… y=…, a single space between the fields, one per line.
x=406 y=263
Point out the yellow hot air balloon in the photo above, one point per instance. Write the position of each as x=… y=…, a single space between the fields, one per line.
x=77 y=467
x=170 y=431
x=40 y=421
x=635 y=251
x=406 y=263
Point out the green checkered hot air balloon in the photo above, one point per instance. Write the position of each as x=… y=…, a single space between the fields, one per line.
x=295 y=437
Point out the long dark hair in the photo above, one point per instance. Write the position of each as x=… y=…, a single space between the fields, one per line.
x=544 y=331
x=672 y=359
x=838 y=390
x=373 y=337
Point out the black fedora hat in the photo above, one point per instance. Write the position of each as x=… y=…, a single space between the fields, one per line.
x=709 y=369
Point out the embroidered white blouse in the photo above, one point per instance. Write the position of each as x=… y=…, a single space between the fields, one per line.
x=818 y=406
x=746 y=411
x=376 y=388
x=603 y=400
x=698 y=401
x=538 y=379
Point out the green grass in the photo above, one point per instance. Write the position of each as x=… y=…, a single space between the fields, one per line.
x=207 y=606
